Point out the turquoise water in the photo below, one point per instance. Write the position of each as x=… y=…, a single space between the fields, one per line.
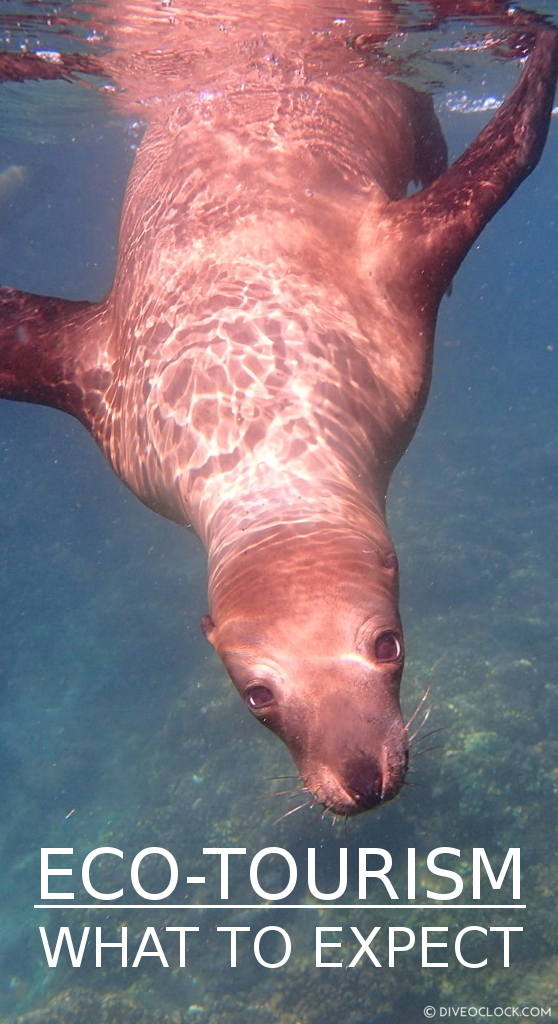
x=119 y=729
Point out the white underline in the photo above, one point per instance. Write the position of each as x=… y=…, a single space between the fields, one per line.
x=280 y=906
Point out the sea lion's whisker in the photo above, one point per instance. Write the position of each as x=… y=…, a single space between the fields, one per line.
x=328 y=808
x=427 y=750
x=424 y=697
x=288 y=792
x=419 y=727
x=277 y=778
x=418 y=746
x=279 y=792
x=438 y=661
x=431 y=732
x=292 y=811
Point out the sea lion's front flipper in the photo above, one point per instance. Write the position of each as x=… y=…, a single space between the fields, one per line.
x=24 y=67
x=437 y=226
x=48 y=353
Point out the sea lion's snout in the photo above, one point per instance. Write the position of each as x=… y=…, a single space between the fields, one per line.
x=361 y=781
x=361 y=786
x=364 y=782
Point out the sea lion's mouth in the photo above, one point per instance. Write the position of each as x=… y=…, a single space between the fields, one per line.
x=361 y=787
x=347 y=804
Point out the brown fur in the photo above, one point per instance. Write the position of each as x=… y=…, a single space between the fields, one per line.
x=264 y=356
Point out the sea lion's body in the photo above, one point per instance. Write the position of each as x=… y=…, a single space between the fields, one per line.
x=247 y=311
x=262 y=362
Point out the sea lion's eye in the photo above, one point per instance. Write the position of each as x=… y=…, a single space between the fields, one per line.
x=258 y=697
x=387 y=647
x=390 y=560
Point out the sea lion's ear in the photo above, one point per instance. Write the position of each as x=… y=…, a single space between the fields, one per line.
x=208 y=629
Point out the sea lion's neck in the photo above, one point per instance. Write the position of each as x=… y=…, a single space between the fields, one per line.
x=264 y=564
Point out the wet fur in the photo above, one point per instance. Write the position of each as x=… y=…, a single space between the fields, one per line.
x=264 y=356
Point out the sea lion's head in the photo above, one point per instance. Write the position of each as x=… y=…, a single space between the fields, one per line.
x=318 y=660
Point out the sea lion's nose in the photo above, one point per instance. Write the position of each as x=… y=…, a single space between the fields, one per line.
x=363 y=782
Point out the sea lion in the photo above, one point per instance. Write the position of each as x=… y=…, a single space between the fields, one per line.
x=264 y=356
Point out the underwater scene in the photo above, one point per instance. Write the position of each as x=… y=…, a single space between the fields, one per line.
x=120 y=730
